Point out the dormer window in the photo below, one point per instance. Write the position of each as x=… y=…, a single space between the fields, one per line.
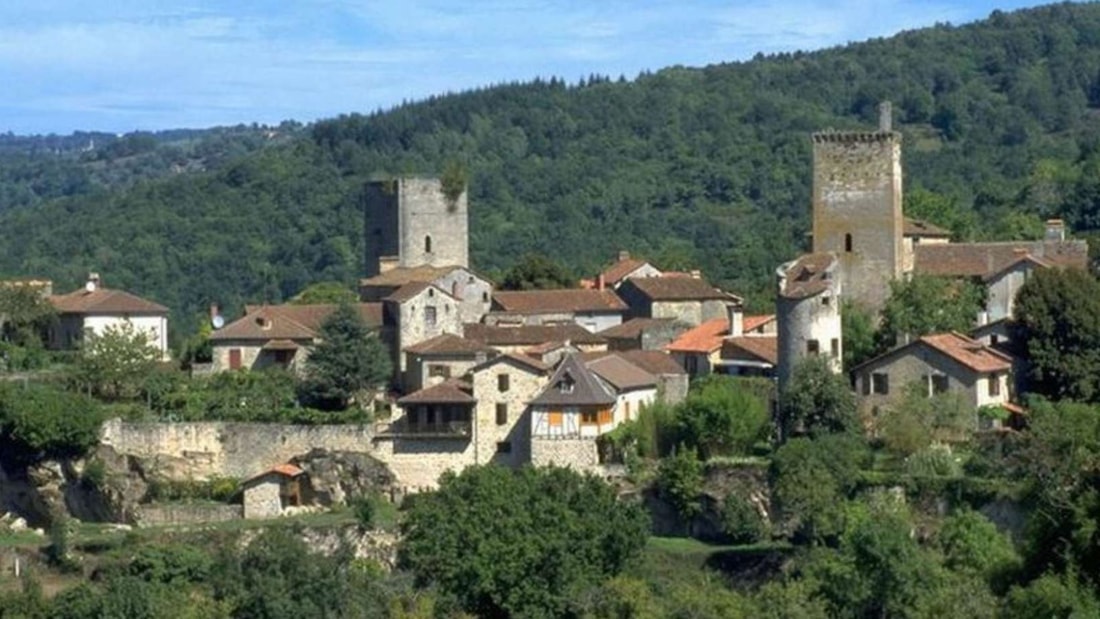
x=566 y=385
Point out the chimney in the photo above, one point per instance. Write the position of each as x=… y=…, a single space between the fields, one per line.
x=623 y=255
x=93 y=282
x=213 y=312
x=1055 y=230
x=885 y=117
x=736 y=318
x=601 y=283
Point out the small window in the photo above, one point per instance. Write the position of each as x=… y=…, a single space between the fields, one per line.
x=485 y=297
x=428 y=244
x=430 y=315
x=439 y=371
x=502 y=414
x=994 y=339
x=813 y=347
x=994 y=385
x=834 y=347
x=504 y=382
x=566 y=385
x=554 y=418
x=848 y=243
x=880 y=383
x=939 y=383
x=504 y=447
x=826 y=300
x=590 y=418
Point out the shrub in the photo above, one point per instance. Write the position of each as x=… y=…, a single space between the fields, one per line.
x=680 y=481
x=364 y=511
x=741 y=521
x=41 y=421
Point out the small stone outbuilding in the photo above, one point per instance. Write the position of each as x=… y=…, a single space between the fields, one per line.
x=266 y=495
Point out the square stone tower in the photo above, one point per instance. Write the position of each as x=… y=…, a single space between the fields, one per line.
x=857 y=209
x=411 y=222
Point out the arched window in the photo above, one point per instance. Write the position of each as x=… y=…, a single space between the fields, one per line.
x=428 y=244
x=848 y=243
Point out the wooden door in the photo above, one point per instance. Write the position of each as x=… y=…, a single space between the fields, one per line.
x=234 y=358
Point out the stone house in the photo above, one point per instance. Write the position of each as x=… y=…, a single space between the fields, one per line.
x=414 y=313
x=918 y=232
x=472 y=291
x=277 y=335
x=95 y=309
x=441 y=358
x=634 y=387
x=505 y=386
x=686 y=299
x=267 y=494
x=442 y=410
x=940 y=363
x=624 y=268
x=594 y=310
x=643 y=334
x=574 y=408
x=521 y=339
x=808 y=304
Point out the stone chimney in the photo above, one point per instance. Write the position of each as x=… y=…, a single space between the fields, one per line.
x=93 y=282
x=736 y=316
x=623 y=255
x=601 y=283
x=885 y=117
x=1055 y=230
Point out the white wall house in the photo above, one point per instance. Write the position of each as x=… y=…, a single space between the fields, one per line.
x=94 y=309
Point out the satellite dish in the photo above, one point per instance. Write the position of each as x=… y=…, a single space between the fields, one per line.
x=90 y=286
x=217 y=321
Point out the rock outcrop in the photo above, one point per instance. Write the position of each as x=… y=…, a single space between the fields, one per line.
x=337 y=476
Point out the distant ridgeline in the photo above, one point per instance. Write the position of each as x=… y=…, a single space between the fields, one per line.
x=691 y=168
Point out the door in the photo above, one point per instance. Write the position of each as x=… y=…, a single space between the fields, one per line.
x=234 y=358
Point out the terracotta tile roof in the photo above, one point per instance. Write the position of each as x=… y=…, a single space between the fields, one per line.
x=634 y=327
x=400 y=276
x=289 y=322
x=621 y=269
x=765 y=349
x=566 y=300
x=448 y=344
x=586 y=389
x=919 y=227
x=524 y=360
x=706 y=338
x=621 y=374
x=546 y=347
x=652 y=361
x=447 y=392
x=678 y=289
x=286 y=470
x=750 y=323
x=970 y=353
x=809 y=275
x=104 y=301
x=530 y=335
x=983 y=259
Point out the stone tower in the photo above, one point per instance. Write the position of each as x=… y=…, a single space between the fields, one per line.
x=857 y=210
x=807 y=309
x=410 y=222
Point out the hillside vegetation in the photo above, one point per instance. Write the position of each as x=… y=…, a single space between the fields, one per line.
x=707 y=167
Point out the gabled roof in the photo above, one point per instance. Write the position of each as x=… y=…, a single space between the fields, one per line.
x=808 y=276
x=567 y=300
x=621 y=374
x=529 y=362
x=984 y=259
x=289 y=322
x=586 y=389
x=104 y=301
x=762 y=349
x=621 y=269
x=1026 y=259
x=652 y=361
x=968 y=352
x=634 y=327
x=409 y=291
x=750 y=323
x=530 y=335
x=285 y=470
x=400 y=276
x=706 y=338
x=921 y=228
x=678 y=289
x=447 y=392
x=448 y=344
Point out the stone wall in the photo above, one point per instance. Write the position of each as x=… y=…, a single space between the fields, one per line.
x=425 y=213
x=577 y=453
x=261 y=497
x=185 y=513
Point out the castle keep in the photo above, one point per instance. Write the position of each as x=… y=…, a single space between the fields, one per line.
x=411 y=222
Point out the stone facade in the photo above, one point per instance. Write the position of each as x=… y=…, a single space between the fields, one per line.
x=505 y=439
x=425 y=315
x=429 y=370
x=577 y=453
x=254 y=357
x=262 y=497
x=857 y=209
x=1001 y=291
x=692 y=313
x=808 y=323
x=411 y=219
x=163 y=514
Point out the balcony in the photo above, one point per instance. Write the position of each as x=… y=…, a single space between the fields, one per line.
x=403 y=428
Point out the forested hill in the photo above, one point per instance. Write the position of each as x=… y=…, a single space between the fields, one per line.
x=686 y=166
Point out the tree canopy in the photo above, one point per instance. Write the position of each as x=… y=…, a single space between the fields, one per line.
x=350 y=359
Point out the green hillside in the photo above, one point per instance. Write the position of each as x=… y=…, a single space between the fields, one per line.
x=707 y=167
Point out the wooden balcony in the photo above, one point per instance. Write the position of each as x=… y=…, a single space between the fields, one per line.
x=403 y=428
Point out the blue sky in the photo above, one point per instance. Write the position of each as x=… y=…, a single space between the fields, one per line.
x=123 y=65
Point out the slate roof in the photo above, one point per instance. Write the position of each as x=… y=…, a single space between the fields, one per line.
x=633 y=327
x=567 y=300
x=587 y=389
x=621 y=374
x=530 y=335
x=447 y=392
x=919 y=227
x=448 y=344
x=765 y=349
x=983 y=259
x=678 y=289
x=706 y=338
x=104 y=301
x=807 y=276
x=289 y=322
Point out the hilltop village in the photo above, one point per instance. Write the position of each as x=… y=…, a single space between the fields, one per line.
x=536 y=377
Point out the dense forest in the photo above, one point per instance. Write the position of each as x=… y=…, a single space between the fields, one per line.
x=683 y=165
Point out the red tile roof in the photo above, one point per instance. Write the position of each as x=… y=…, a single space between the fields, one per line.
x=289 y=322
x=448 y=392
x=530 y=335
x=286 y=470
x=621 y=269
x=104 y=301
x=524 y=360
x=970 y=353
x=758 y=348
x=750 y=323
x=448 y=344
x=983 y=259
x=678 y=289
x=567 y=300
x=706 y=338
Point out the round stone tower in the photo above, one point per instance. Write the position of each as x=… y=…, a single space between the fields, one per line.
x=808 y=312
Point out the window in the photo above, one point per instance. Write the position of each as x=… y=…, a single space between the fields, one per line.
x=428 y=244
x=234 y=358
x=939 y=383
x=566 y=385
x=848 y=243
x=439 y=371
x=834 y=347
x=589 y=417
x=994 y=339
x=485 y=297
x=554 y=419
x=429 y=315
x=880 y=383
x=994 y=385
x=813 y=347
x=504 y=382
x=504 y=447
x=826 y=300
x=502 y=414
x=866 y=385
